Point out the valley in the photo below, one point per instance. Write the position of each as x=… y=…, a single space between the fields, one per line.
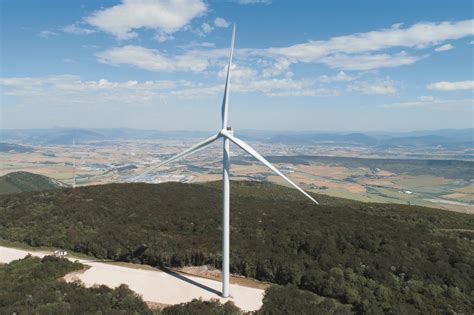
x=435 y=178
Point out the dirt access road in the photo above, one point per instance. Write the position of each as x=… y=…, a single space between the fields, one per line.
x=152 y=284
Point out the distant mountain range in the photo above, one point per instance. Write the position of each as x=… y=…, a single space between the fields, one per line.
x=445 y=138
x=24 y=181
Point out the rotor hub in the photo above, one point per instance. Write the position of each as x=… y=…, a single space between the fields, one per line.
x=227 y=131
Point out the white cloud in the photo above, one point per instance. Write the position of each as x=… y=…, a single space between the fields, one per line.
x=270 y=87
x=418 y=35
x=425 y=98
x=377 y=87
x=162 y=15
x=151 y=59
x=369 y=61
x=196 y=92
x=340 y=76
x=63 y=90
x=451 y=86
x=47 y=34
x=358 y=51
x=206 y=28
x=431 y=102
x=444 y=47
x=195 y=44
x=220 y=22
x=163 y=37
x=245 y=2
x=238 y=73
x=248 y=80
x=280 y=66
x=77 y=30
x=281 y=87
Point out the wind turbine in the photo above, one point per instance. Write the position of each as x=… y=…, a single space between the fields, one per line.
x=73 y=163
x=227 y=135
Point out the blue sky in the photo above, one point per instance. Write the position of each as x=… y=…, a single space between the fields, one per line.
x=299 y=65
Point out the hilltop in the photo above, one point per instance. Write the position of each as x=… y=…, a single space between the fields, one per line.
x=16 y=182
x=14 y=148
x=375 y=257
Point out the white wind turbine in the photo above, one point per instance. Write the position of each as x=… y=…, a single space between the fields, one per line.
x=226 y=134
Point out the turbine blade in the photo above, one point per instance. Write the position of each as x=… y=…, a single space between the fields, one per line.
x=227 y=83
x=181 y=155
x=244 y=146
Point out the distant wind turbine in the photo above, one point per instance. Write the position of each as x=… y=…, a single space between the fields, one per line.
x=73 y=163
x=227 y=135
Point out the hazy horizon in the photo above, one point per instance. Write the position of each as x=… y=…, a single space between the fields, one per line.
x=247 y=130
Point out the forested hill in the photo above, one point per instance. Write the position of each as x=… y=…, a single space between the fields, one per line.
x=377 y=257
x=25 y=181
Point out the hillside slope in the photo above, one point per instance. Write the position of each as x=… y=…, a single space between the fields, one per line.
x=376 y=257
x=24 y=181
x=14 y=148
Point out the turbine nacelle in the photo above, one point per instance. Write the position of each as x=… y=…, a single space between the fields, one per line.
x=226 y=132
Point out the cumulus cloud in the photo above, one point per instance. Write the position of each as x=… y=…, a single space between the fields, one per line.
x=248 y=80
x=418 y=35
x=220 y=22
x=444 y=47
x=451 y=86
x=238 y=73
x=62 y=90
x=245 y=2
x=369 y=61
x=77 y=30
x=206 y=28
x=355 y=52
x=161 y=15
x=431 y=102
x=278 y=67
x=358 y=51
x=163 y=37
x=340 y=76
x=47 y=34
x=270 y=87
x=152 y=59
x=377 y=87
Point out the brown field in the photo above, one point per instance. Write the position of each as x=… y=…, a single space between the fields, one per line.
x=336 y=172
x=468 y=189
x=455 y=196
x=359 y=183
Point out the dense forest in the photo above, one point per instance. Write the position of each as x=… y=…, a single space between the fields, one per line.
x=33 y=286
x=30 y=286
x=375 y=257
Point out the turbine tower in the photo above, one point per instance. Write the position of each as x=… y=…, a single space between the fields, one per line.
x=226 y=133
x=73 y=163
